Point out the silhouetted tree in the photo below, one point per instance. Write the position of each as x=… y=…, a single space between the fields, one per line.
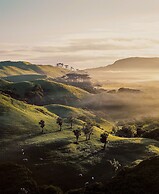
x=71 y=120
x=103 y=139
x=127 y=131
x=77 y=133
x=59 y=64
x=72 y=68
x=66 y=66
x=59 y=121
x=88 y=130
x=42 y=125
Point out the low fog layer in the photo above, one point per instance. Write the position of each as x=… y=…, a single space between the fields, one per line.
x=124 y=106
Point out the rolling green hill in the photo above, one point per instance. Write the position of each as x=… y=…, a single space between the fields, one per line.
x=79 y=114
x=54 y=154
x=26 y=77
x=66 y=111
x=18 y=118
x=42 y=92
x=9 y=68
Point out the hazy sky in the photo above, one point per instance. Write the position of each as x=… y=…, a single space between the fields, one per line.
x=82 y=33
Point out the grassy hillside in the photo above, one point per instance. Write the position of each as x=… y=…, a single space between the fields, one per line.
x=65 y=111
x=26 y=77
x=142 y=178
x=80 y=115
x=44 y=92
x=8 y=68
x=53 y=157
x=18 y=118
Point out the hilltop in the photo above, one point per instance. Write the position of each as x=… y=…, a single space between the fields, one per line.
x=132 y=63
x=133 y=69
x=10 y=68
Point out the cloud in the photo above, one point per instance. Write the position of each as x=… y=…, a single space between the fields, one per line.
x=82 y=51
x=78 y=45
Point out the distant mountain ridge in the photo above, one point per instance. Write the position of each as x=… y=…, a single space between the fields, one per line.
x=132 y=63
x=10 y=68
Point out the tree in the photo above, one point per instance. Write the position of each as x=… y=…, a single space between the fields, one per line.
x=59 y=64
x=77 y=133
x=66 y=66
x=71 y=120
x=127 y=131
x=103 y=139
x=42 y=125
x=59 y=121
x=88 y=130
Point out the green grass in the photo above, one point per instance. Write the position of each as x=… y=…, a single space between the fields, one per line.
x=9 y=68
x=19 y=118
x=53 y=92
x=66 y=111
x=54 y=153
x=27 y=77
x=61 y=156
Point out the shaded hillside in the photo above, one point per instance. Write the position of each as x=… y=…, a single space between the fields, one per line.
x=42 y=92
x=8 y=68
x=143 y=178
x=54 y=158
x=16 y=178
x=26 y=77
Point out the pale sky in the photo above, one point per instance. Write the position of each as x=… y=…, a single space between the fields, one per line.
x=82 y=33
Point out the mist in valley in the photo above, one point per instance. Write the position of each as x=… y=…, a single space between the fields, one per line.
x=125 y=105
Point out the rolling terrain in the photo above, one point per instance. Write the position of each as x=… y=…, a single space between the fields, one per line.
x=10 y=68
x=53 y=154
x=129 y=70
x=54 y=157
x=42 y=92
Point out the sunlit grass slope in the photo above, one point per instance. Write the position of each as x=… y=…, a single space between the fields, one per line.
x=19 y=118
x=79 y=114
x=8 y=68
x=66 y=111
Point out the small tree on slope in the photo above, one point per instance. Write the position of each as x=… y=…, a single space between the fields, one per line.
x=77 y=133
x=59 y=121
x=42 y=125
x=103 y=139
